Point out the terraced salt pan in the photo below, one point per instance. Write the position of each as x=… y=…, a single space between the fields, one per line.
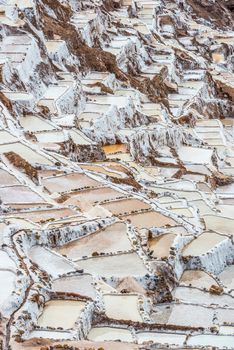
x=161 y=338
x=68 y=182
x=110 y=333
x=149 y=219
x=202 y=244
x=61 y=313
x=227 y=277
x=218 y=341
x=195 y=296
x=195 y=155
x=122 y=307
x=33 y=123
x=6 y=179
x=19 y=194
x=125 y=205
x=6 y=137
x=112 y=239
x=219 y=224
x=93 y=195
x=80 y=284
x=49 y=334
x=8 y=285
x=46 y=214
x=112 y=149
x=26 y=153
x=197 y=278
x=101 y=170
x=117 y=265
x=161 y=245
x=49 y=261
x=51 y=136
x=184 y=315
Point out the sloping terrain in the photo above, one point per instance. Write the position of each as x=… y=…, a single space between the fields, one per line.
x=116 y=174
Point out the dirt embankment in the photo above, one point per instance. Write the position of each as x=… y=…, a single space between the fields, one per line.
x=217 y=12
x=23 y=165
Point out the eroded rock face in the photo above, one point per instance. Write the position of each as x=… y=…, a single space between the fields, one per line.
x=116 y=174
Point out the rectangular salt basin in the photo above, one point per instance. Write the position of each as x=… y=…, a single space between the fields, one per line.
x=33 y=123
x=220 y=224
x=149 y=219
x=110 y=334
x=19 y=194
x=161 y=338
x=93 y=195
x=122 y=307
x=26 y=153
x=112 y=239
x=195 y=155
x=8 y=277
x=218 y=341
x=61 y=313
x=46 y=214
x=49 y=261
x=120 y=265
x=6 y=137
x=6 y=179
x=125 y=206
x=68 y=182
x=78 y=284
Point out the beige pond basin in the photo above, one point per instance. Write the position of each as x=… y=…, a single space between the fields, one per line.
x=19 y=194
x=195 y=155
x=125 y=206
x=79 y=284
x=34 y=124
x=8 y=277
x=101 y=170
x=26 y=153
x=6 y=179
x=196 y=296
x=149 y=219
x=183 y=315
x=93 y=195
x=206 y=340
x=46 y=214
x=61 y=313
x=197 y=278
x=227 y=277
x=202 y=244
x=48 y=334
x=112 y=239
x=6 y=137
x=111 y=149
x=49 y=261
x=120 y=265
x=122 y=307
x=161 y=245
x=219 y=224
x=161 y=338
x=201 y=205
x=65 y=183
x=110 y=334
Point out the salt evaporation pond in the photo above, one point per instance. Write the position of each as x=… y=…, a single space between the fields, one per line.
x=61 y=313
x=110 y=334
x=8 y=285
x=220 y=341
x=161 y=245
x=122 y=307
x=112 y=239
x=161 y=338
x=80 y=284
x=203 y=244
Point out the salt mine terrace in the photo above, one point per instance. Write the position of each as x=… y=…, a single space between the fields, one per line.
x=116 y=175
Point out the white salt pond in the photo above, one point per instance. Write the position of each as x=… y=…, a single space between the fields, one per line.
x=112 y=239
x=82 y=285
x=110 y=334
x=195 y=155
x=120 y=265
x=219 y=224
x=57 y=335
x=202 y=244
x=197 y=278
x=50 y=262
x=33 y=123
x=60 y=313
x=122 y=307
x=227 y=277
x=218 y=341
x=8 y=285
x=161 y=245
x=149 y=219
x=161 y=338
